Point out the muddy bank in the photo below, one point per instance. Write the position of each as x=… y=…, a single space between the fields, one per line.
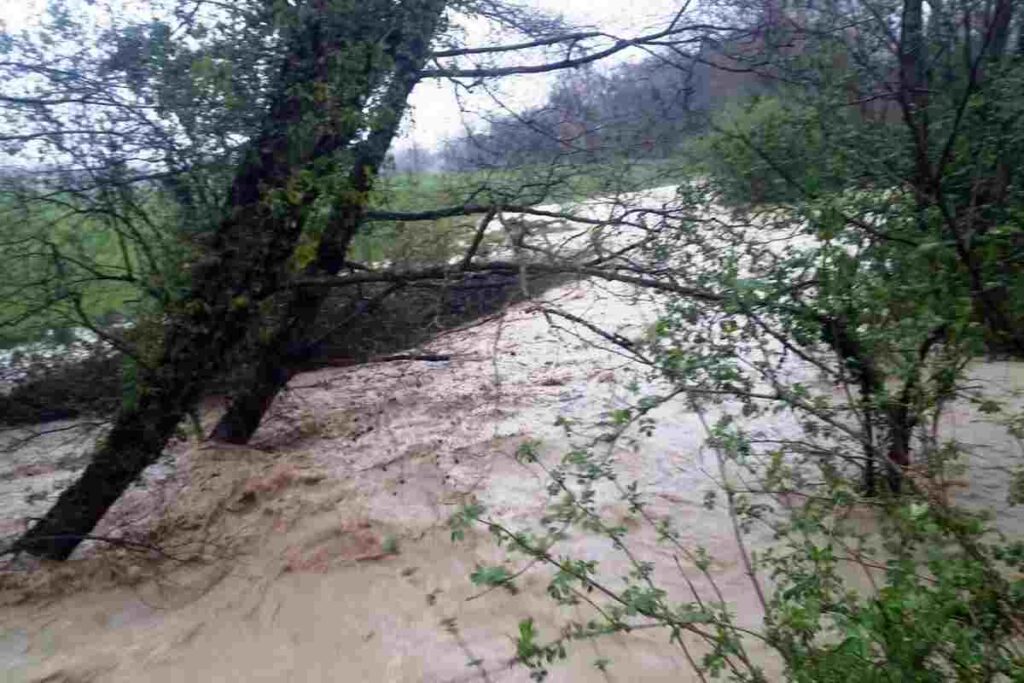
x=88 y=380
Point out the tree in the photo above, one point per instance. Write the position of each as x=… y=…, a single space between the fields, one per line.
x=850 y=291
x=287 y=350
x=640 y=110
x=938 y=138
x=332 y=60
x=329 y=81
x=280 y=358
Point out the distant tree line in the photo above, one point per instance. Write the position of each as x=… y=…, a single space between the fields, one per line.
x=643 y=108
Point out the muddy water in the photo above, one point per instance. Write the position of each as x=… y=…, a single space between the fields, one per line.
x=321 y=552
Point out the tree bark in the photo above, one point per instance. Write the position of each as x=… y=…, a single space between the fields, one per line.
x=287 y=351
x=913 y=93
x=1020 y=35
x=891 y=421
x=1002 y=17
x=973 y=218
x=328 y=73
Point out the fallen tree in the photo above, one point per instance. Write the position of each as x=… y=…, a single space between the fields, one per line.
x=283 y=355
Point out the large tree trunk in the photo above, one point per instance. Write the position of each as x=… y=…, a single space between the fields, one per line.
x=283 y=355
x=328 y=75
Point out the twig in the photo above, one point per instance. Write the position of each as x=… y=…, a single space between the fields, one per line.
x=346 y=362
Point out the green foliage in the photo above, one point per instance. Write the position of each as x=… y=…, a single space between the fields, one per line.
x=942 y=607
x=534 y=655
x=771 y=149
x=872 y=253
x=941 y=603
x=490 y=576
x=72 y=269
x=464 y=520
x=390 y=545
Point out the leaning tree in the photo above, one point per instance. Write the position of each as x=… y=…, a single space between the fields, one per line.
x=245 y=125
x=328 y=61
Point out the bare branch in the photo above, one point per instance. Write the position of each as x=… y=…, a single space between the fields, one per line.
x=570 y=62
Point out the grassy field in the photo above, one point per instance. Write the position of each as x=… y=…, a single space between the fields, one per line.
x=59 y=264
x=537 y=184
x=436 y=241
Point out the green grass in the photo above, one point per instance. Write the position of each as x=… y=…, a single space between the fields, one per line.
x=36 y=293
x=535 y=184
x=52 y=257
x=439 y=240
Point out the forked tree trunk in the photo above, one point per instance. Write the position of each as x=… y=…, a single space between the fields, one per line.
x=328 y=76
x=892 y=423
x=282 y=356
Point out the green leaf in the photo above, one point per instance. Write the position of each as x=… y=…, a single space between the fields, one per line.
x=490 y=576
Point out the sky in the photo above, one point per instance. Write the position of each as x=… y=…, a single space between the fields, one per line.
x=17 y=13
x=434 y=110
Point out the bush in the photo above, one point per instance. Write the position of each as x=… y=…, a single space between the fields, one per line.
x=766 y=150
x=57 y=387
x=943 y=602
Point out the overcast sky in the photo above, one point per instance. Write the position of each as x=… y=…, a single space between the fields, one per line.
x=16 y=13
x=435 y=114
